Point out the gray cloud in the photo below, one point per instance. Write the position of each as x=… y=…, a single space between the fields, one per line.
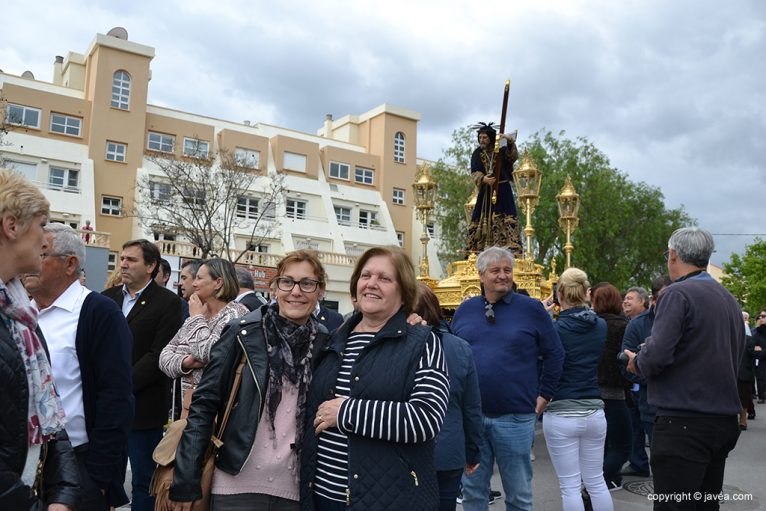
x=672 y=92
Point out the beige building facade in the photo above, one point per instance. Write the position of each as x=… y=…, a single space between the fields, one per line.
x=87 y=136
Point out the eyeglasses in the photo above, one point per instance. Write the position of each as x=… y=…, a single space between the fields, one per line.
x=489 y=313
x=666 y=254
x=306 y=285
x=760 y=316
x=44 y=255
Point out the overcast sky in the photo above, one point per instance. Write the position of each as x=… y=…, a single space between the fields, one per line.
x=674 y=92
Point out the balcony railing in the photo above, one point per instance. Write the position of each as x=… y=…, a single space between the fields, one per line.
x=95 y=238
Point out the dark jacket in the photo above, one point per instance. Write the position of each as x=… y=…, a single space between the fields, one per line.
x=382 y=475
x=329 y=318
x=746 y=370
x=243 y=335
x=252 y=301
x=583 y=335
x=461 y=436
x=638 y=330
x=691 y=359
x=61 y=476
x=153 y=321
x=104 y=345
x=609 y=374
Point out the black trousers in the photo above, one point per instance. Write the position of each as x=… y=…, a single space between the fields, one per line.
x=688 y=458
x=91 y=498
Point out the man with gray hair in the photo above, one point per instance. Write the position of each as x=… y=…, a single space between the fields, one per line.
x=90 y=349
x=507 y=332
x=636 y=301
x=690 y=362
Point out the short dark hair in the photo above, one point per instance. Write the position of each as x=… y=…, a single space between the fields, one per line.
x=245 y=278
x=193 y=265
x=642 y=294
x=658 y=283
x=405 y=273
x=150 y=251
x=165 y=266
x=428 y=305
x=606 y=299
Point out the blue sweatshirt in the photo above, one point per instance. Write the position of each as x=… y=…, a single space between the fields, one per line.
x=506 y=352
x=583 y=335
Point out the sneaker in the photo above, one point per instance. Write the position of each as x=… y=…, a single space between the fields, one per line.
x=492 y=499
x=494 y=493
x=459 y=498
x=532 y=456
x=613 y=486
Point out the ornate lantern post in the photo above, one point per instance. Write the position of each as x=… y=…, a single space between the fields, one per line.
x=425 y=199
x=528 y=178
x=569 y=207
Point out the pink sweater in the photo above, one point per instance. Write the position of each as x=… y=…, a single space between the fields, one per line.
x=271 y=468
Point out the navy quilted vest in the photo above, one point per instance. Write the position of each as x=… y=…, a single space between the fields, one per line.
x=382 y=475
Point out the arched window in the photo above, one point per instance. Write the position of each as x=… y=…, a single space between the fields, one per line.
x=399 y=147
x=121 y=90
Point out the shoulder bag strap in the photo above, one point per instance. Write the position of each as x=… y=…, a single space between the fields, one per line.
x=229 y=405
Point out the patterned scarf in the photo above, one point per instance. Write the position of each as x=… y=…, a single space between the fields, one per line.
x=289 y=348
x=46 y=414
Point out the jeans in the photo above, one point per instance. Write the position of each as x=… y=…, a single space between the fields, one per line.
x=639 y=461
x=576 y=446
x=507 y=441
x=688 y=456
x=449 y=486
x=618 y=438
x=141 y=444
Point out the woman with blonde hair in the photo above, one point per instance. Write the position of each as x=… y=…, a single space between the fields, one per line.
x=32 y=422
x=574 y=423
x=211 y=307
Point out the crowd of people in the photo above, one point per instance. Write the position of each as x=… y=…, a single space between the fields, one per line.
x=390 y=408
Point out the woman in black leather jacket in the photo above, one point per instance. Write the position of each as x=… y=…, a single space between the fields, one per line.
x=257 y=467
x=28 y=434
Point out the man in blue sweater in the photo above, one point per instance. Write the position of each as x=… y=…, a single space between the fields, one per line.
x=507 y=332
x=690 y=363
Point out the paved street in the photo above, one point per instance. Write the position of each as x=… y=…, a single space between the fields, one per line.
x=744 y=476
x=745 y=471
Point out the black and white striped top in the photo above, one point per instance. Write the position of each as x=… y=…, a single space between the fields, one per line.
x=415 y=420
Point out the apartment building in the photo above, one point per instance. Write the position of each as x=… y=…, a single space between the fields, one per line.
x=89 y=135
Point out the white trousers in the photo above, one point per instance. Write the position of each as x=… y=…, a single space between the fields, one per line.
x=576 y=447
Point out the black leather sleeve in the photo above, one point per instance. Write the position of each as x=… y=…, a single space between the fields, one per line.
x=61 y=475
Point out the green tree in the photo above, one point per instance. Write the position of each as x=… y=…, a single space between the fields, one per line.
x=745 y=276
x=624 y=226
x=455 y=187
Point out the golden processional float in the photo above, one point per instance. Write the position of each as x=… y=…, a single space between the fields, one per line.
x=462 y=280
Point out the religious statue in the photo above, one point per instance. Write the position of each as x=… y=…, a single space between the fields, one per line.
x=494 y=221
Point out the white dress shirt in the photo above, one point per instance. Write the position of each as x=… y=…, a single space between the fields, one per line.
x=58 y=323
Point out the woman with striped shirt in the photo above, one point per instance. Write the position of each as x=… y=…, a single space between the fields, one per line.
x=574 y=423
x=378 y=398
